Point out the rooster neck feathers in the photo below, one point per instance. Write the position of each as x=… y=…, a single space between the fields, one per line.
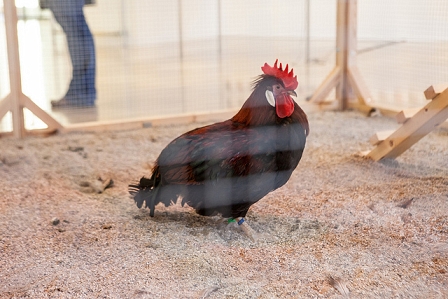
x=256 y=111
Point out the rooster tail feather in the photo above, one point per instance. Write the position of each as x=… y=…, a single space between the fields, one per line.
x=144 y=191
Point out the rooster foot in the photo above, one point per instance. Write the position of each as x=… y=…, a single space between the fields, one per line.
x=245 y=227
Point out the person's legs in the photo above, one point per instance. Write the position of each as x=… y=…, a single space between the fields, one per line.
x=81 y=91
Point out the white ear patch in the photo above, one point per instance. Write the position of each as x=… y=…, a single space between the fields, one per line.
x=270 y=98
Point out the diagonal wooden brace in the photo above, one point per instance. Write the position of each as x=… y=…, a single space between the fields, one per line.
x=16 y=101
x=415 y=128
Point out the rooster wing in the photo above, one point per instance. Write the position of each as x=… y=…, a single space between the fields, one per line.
x=225 y=168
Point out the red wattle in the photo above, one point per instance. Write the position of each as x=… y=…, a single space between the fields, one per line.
x=284 y=105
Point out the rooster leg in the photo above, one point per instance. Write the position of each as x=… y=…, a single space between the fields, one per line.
x=151 y=204
x=246 y=228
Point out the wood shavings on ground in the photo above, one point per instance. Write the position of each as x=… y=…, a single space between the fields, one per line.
x=382 y=227
x=339 y=284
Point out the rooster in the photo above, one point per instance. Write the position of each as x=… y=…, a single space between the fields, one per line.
x=226 y=167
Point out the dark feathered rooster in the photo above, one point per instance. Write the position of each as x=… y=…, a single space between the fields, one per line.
x=226 y=167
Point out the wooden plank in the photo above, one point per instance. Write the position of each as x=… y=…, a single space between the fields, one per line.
x=351 y=32
x=36 y=110
x=366 y=109
x=215 y=116
x=101 y=126
x=6 y=134
x=406 y=114
x=133 y=124
x=41 y=132
x=354 y=77
x=434 y=90
x=5 y=106
x=329 y=83
x=380 y=136
x=359 y=86
x=172 y=120
x=342 y=88
x=431 y=116
x=37 y=132
x=12 y=43
x=341 y=32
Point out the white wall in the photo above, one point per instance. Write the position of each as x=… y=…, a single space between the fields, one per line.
x=410 y=20
x=153 y=21
x=200 y=19
x=105 y=16
x=263 y=18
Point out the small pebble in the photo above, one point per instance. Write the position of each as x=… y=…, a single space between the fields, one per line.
x=55 y=221
x=76 y=148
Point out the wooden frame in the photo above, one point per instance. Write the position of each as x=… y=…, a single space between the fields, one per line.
x=139 y=123
x=345 y=76
x=416 y=124
x=16 y=101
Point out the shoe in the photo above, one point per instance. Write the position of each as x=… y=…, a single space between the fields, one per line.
x=64 y=103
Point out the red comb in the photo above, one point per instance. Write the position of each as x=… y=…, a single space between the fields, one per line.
x=289 y=80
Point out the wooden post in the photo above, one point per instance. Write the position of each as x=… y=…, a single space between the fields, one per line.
x=16 y=100
x=345 y=76
x=14 y=68
x=342 y=52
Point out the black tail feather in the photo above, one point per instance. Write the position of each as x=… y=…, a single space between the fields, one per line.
x=141 y=192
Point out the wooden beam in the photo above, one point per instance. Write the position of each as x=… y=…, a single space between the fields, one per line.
x=341 y=32
x=6 y=134
x=359 y=86
x=5 y=106
x=41 y=132
x=434 y=90
x=36 y=132
x=41 y=114
x=406 y=114
x=332 y=80
x=380 y=136
x=366 y=109
x=15 y=82
x=345 y=77
x=423 y=122
x=132 y=124
x=342 y=52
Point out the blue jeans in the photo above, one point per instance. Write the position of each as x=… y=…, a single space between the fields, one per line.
x=69 y=14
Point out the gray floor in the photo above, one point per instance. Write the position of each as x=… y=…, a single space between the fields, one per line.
x=208 y=75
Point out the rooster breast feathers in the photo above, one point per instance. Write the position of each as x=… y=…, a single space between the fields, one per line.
x=225 y=167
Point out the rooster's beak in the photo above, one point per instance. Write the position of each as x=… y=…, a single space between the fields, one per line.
x=292 y=93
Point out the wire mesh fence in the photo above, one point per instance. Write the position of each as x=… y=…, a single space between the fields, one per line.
x=175 y=57
x=402 y=50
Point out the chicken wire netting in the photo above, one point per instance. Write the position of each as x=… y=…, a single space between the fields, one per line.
x=403 y=49
x=176 y=57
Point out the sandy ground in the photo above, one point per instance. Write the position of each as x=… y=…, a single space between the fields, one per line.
x=342 y=226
